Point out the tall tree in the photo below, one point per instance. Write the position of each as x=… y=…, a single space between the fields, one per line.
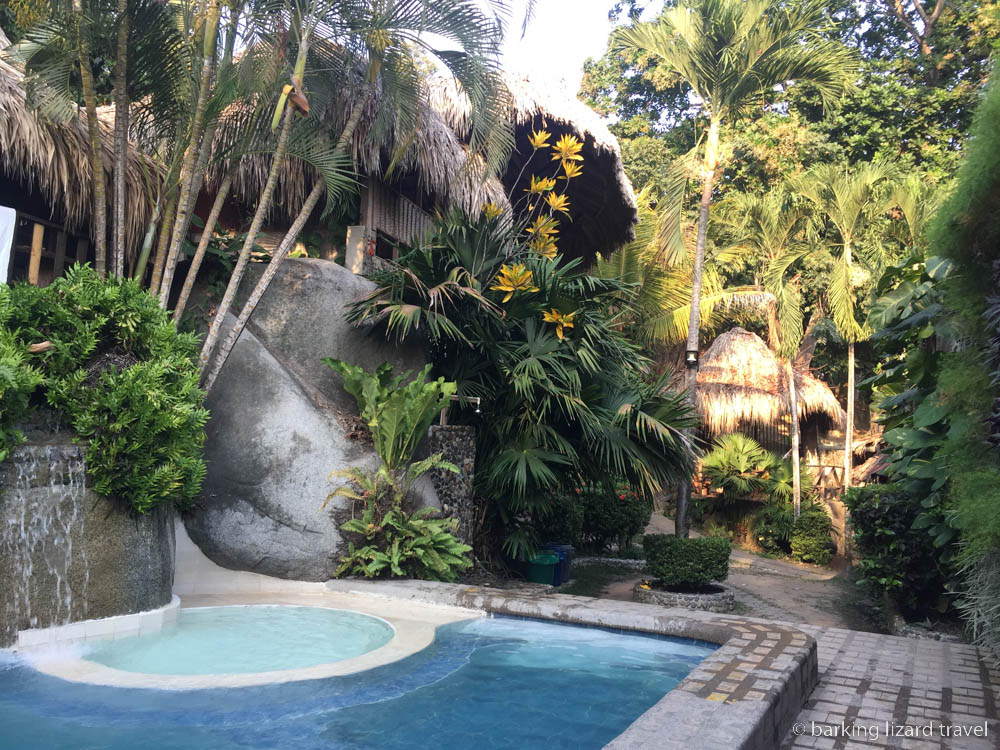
x=847 y=199
x=730 y=53
x=380 y=43
x=769 y=230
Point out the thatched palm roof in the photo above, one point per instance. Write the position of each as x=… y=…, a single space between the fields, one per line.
x=433 y=159
x=436 y=160
x=602 y=200
x=741 y=381
x=55 y=159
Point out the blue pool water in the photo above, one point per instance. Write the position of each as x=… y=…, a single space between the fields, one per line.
x=491 y=683
x=237 y=640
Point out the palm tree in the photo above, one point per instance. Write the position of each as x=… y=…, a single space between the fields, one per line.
x=769 y=228
x=658 y=262
x=733 y=53
x=379 y=43
x=846 y=198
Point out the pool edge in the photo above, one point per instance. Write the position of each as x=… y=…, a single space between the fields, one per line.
x=745 y=695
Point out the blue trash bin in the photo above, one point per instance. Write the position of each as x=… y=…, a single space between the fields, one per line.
x=565 y=553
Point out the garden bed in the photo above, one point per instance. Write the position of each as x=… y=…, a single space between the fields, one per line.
x=709 y=598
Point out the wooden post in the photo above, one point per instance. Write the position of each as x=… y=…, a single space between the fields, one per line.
x=60 y=261
x=35 y=261
x=82 y=245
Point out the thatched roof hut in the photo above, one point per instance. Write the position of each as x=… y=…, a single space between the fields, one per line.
x=602 y=201
x=434 y=163
x=742 y=383
x=54 y=159
x=435 y=169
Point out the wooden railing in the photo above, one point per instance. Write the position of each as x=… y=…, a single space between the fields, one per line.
x=37 y=240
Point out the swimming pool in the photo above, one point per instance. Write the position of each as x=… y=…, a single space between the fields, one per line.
x=486 y=683
x=246 y=639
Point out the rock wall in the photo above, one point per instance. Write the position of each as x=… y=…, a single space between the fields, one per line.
x=457 y=443
x=68 y=554
x=281 y=422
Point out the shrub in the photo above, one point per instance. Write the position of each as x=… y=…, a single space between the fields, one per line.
x=123 y=377
x=611 y=515
x=772 y=527
x=810 y=539
x=897 y=560
x=687 y=563
x=17 y=380
x=561 y=520
x=392 y=542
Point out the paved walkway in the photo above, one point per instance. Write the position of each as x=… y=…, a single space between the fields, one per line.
x=874 y=690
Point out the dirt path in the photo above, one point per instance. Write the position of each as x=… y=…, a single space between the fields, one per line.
x=772 y=589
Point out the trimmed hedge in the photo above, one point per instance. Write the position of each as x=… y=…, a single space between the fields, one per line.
x=687 y=563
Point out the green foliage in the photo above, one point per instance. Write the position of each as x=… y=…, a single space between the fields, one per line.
x=560 y=520
x=389 y=541
x=18 y=380
x=897 y=560
x=687 y=563
x=980 y=603
x=810 y=540
x=126 y=381
x=385 y=541
x=397 y=415
x=611 y=514
x=740 y=467
x=772 y=528
x=556 y=409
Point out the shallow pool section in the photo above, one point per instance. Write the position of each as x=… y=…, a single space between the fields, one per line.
x=245 y=639
x=486 y=683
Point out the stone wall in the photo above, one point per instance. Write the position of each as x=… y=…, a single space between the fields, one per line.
x=457 y=443
x=68 y=554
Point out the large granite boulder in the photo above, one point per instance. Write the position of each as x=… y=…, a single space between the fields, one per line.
x=280 y=423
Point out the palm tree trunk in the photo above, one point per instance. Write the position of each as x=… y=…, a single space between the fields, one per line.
x=849 y=424
x=99 y=219
x=683 y=520
x=793 y=403
x=161 y=245
x=189 y=167
x=343 y=143
x=265 y=281
x=263 y=206
x=199 y=256
x=147 y=241
x=121 y=143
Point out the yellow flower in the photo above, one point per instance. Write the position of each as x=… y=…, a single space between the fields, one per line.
x=515 y=278
x=539 y=186
x=561 y=321
x=567 y=148
x=571 y=169
x=491 y=210
x=558 y=202
x=544 y=246
x=539 y=138
x=544 y=226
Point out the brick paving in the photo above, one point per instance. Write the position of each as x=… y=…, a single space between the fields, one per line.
x=874 y=690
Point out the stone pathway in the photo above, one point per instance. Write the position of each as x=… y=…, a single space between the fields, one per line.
x=875 y=690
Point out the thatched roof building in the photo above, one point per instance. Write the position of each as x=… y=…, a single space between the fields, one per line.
x=602 y=201
x=46 y=165
x=435 y=169
x=741 y=383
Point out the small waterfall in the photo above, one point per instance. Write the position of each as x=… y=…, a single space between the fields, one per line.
x=42 y=513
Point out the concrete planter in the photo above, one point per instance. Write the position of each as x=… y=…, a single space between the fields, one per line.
x=720 y=601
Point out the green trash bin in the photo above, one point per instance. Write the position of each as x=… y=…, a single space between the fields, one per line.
x=542 y=567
